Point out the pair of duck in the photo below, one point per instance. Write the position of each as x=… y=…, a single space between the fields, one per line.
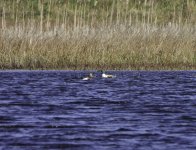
x=103 y=75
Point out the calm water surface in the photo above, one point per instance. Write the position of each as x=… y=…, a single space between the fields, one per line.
x=136 y=110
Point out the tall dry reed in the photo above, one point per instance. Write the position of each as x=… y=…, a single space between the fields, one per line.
x=97 y=34
x=114 y=47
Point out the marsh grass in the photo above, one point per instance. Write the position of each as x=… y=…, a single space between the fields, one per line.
x=110 y=34
x=112 y=47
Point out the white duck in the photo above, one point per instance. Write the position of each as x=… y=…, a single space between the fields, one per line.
x=88 y=77
x=107 y=75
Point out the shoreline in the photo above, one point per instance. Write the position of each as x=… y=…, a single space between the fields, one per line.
x=97 y=69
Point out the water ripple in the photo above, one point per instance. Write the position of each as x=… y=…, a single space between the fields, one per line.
x=57 y=110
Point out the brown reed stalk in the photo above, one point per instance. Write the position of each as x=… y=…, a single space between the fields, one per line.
x=48 y=16
x=3 y=21
x=41 y=6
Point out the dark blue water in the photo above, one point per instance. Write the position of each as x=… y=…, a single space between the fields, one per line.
x=136 y=110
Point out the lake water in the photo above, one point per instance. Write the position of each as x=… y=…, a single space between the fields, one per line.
x=137 y=110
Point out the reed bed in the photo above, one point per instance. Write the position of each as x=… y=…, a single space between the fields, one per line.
x=91 y=34
x=114 y=47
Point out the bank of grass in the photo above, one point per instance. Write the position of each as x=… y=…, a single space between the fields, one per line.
x=98 y=34
x=141 y=46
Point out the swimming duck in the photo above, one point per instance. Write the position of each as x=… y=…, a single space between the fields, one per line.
x=107 y=75
x=88 y=77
